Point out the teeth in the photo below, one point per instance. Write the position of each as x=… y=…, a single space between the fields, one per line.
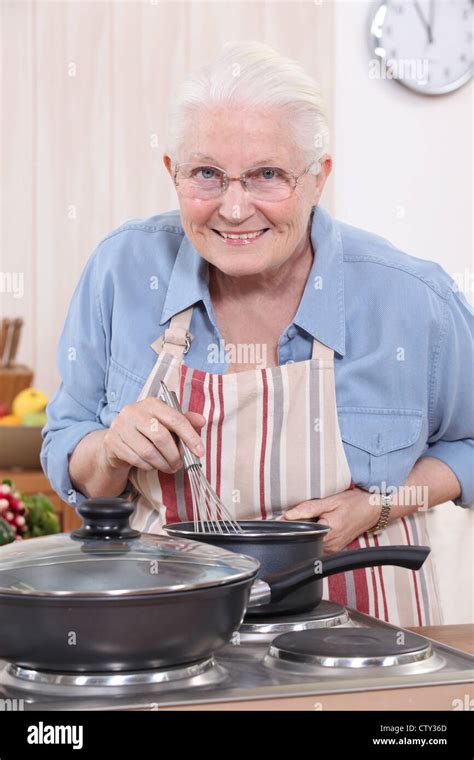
x=246 y=236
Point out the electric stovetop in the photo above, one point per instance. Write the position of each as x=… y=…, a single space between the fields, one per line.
x=329 y=650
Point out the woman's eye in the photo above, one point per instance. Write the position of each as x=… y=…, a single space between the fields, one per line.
x=267 y=173
x=205 y=172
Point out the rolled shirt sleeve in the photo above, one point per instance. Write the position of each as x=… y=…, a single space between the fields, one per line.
x=74 y=410
x=451 y=408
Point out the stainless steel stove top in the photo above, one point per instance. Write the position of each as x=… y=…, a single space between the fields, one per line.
x=263 y=660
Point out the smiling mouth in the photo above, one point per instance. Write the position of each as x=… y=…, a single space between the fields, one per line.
x=247 y=236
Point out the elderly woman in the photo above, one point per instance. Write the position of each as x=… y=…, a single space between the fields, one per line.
x=324 y=373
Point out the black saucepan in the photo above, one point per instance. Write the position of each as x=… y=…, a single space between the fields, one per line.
x=107 y=598
x=285 y=547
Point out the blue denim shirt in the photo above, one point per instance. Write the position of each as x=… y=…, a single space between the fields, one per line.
x=400 y=330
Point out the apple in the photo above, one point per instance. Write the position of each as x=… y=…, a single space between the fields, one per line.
x=34 y=419
x=29 y=400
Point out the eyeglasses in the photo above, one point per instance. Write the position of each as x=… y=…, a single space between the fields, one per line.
x=264 y=183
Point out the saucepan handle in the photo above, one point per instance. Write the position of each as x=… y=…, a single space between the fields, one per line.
x=286 y=581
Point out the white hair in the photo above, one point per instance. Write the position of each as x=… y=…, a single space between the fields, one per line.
x=254 y=75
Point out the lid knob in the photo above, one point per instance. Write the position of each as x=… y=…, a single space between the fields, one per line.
x=105 y=518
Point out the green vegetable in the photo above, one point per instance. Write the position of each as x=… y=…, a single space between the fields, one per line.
x=40 y=516
x=7 y=534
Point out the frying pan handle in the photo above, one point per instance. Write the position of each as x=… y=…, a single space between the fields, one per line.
x=281 y=584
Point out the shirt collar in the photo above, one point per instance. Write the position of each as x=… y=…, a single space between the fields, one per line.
x=321 y=311
x=188 y=283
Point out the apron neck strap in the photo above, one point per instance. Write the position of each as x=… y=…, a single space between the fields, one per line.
x=320 y=351
x=176 y=339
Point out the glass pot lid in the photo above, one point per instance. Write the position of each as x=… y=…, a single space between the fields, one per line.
x=107 y=558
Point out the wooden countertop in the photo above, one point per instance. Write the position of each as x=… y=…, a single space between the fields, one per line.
x=458 y=636
x=413 y=698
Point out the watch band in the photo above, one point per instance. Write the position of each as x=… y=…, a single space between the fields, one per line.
x=384 y=515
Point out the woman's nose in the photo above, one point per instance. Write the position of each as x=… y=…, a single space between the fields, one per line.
x=235 y=202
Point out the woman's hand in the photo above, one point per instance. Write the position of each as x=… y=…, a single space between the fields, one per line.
x=348 y=514
x=141 y=436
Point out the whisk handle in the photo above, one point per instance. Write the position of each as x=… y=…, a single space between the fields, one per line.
x=189 y=459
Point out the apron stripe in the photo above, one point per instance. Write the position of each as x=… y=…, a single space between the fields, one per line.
x=421 y=573
x=254 y=474
x=167 y=483
x=322 y=436
x=186 y=502
x=382 y=586
x=230 y=469
x=359 y=583
x=182 y=381
x=315 y=442
x=274 y=459
x=413 y=572
x=283 y=439
x=370 y=572
x=197 y=401
x=192 y=399
x=400 y=580
x=263 y=444
x=361 y=590
x=337 y=590
x=272 y=507
x=219 y=435
x=210 y=420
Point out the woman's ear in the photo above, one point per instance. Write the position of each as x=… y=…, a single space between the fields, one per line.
x=320 y=179
x=167 y=163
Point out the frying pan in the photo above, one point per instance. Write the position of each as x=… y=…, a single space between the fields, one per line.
x=89 y=601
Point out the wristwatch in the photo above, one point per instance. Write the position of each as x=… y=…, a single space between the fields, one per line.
x=384 y=515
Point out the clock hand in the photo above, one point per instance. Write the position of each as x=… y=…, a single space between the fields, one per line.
x=432 y=18
x=422 y=19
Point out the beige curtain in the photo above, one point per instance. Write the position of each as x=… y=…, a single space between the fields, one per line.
x=85 y=86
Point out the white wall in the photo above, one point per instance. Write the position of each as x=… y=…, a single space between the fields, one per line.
x=395 y=150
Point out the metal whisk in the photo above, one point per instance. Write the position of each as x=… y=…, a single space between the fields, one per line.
x=209 y=513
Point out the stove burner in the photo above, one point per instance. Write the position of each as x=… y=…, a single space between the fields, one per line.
x=124 y=679
x=325 y=615
x=351 y=648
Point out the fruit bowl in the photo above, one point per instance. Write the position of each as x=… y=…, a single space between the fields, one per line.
x=20 y=429
x=20 y=446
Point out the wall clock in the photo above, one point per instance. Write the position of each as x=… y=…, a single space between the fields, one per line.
x=425 y=45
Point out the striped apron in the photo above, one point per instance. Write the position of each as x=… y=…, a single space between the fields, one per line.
x=272 y=441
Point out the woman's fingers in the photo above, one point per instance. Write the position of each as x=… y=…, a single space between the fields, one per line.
x=306 y=510
x=197 y=420
x=145 y=454
x=149 y=430
x=118 y=451
x=179 y=424
x=145 y=435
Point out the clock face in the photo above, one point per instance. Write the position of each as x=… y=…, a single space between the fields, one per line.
x=424 y=44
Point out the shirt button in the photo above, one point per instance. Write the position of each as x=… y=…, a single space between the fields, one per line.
x=291 y=333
